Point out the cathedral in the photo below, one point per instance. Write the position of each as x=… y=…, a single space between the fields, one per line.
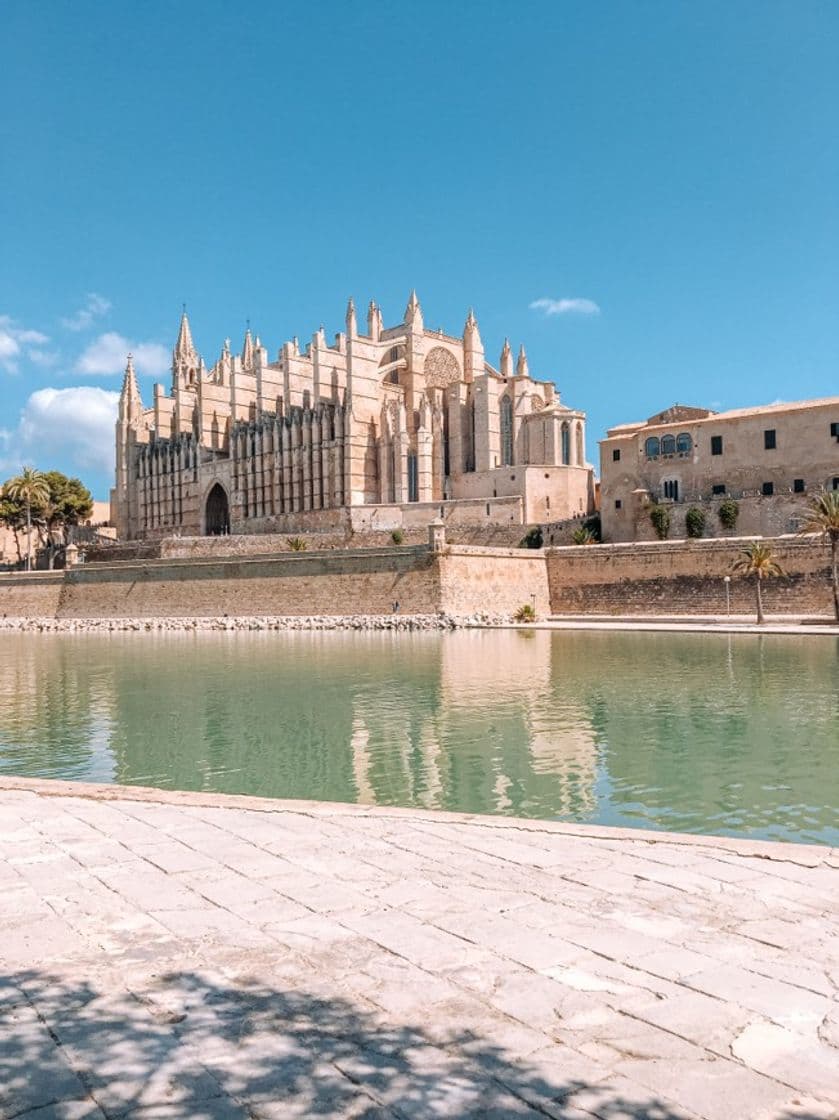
x=382 y=418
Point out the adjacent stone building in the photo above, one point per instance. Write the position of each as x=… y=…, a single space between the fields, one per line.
x=392 y=416
x=767 y=459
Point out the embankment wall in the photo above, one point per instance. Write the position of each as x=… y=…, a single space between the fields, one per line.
x=32 y=595
x=684 y=577
x=493 y=579
x=367 y=582
x=657 y=578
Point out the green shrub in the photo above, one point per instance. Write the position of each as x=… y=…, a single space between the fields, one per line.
x=397 y=536
x=525 y=613
x=695 y=522
x=296 y=544
x=594 y=526
x=728 y=513
x=583 y=536
x=532 y=539
x=660 y=517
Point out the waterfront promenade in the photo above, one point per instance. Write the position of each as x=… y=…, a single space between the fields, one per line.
x=169 y=955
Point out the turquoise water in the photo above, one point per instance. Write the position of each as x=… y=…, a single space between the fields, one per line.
x=697 y=733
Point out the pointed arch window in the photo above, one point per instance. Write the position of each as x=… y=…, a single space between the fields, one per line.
x=506 y=432
x=566 y=445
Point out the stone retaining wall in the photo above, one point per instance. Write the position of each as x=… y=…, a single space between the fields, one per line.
x=346 y=583
x=32 y=595
x=493 y=579
x=684 y=577
x=668 y=577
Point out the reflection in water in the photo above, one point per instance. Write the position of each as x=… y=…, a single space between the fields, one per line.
x=686 y=732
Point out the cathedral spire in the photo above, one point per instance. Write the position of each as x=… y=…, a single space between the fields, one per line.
x=374 y=321
x=506 y=365
x=413 y=312
x=247 y=350
x=130 y=401
x=186 y=365
x=522 y=368
x=184 y=349
x=351 y=319
x=471 y=334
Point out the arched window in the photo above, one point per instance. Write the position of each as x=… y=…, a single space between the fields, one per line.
x=566 y=445
x=671 y=489
x=684 y=444
x=652 y=447
x=668 y=445
x=506 y=432
x=581 y=457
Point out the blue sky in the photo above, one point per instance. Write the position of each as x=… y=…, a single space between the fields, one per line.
x=675 y=164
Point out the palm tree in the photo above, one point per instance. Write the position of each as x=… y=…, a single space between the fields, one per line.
x=758 y=562
x=822 y=517
x=31 y=488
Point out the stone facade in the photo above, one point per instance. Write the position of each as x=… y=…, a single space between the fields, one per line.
x=394 y=416
x=768 y=459
x=685 y=578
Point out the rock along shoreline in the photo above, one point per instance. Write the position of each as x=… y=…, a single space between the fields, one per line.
x=253 y=622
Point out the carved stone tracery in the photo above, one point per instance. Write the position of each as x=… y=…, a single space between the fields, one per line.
x=441 y=369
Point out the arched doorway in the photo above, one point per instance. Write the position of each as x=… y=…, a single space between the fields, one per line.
x=216 y=513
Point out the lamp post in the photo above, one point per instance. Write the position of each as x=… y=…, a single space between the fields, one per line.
x=727 y=582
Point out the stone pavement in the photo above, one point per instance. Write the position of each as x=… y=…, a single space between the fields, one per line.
x=180 y=955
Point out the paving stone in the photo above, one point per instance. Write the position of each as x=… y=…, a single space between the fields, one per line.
x=789 y=1058
x=34 y=1071
x=782 y=1003
x=214 y=961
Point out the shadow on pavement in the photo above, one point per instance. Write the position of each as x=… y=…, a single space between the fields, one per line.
x=192 y=1045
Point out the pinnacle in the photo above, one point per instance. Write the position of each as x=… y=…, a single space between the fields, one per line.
x=413 y=307
x=247 y=349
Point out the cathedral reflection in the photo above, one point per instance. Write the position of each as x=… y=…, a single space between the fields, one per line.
x=690 y=732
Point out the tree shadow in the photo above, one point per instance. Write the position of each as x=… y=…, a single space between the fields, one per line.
x=197 y=1046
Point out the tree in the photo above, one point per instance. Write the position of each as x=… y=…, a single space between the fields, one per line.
x=758 y=562
x=822 y=517
x=69 y=503
x=660 y=517
x=694 y=522
x=13 y=516
x=30 y=488
x=728 y=513
x=532 y=539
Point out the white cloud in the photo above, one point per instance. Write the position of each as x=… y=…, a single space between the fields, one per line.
x=16 y=342
x=44 y=358
x=107 y=355
x=95 y=306
x=565 y=306
x=75 y=424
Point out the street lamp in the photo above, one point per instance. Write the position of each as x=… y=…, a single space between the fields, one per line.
x=727 y=582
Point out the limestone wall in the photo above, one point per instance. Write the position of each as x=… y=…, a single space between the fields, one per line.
x=493 y=579
x=358 y=582
x=683 y=577
x=758 y=516
x=29 y=596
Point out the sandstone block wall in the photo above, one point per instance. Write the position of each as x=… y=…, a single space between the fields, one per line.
x=35 y=595
x=496 y=580
x=684 y=577
x=366 y=582
x=759 y=516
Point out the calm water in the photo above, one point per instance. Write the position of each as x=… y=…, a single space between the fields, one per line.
x=707 y=733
